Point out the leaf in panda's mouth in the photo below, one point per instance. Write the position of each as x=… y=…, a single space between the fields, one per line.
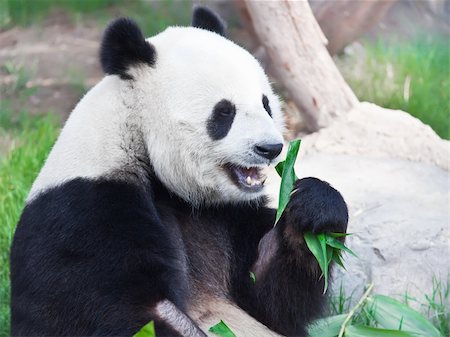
x=247 y=178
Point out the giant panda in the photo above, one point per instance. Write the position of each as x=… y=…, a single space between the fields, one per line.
x=151 y=205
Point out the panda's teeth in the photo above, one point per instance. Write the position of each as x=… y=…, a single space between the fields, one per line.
x=248 y=180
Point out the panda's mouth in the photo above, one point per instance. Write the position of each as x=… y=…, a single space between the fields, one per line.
x=249 y=179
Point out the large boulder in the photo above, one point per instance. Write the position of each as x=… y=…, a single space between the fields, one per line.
x=370 y=130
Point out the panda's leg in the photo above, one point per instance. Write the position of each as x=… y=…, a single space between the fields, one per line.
x=210 y=311
x=170 y=320
x=288 y=292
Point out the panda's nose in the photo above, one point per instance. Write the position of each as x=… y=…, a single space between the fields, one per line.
x=269 y=151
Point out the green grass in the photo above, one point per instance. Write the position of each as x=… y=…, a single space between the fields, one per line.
x=413 y=76
x=32 y=138
x=435 y=306
x=27 y=12
x=18 y=169
x=152 y=16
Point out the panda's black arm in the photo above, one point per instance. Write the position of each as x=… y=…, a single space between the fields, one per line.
x=288 y=291
x=93 y=258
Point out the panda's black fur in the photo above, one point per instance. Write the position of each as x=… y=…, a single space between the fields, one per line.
x=123 y=45
x=93 y=257
x=204 y=18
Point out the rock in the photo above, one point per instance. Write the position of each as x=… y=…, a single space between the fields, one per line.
x=375 y=131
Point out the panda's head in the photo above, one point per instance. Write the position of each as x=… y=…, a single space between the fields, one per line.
x=209 y=118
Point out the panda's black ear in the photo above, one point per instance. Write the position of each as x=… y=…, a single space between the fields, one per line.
x=123 y=46
x=205 y=18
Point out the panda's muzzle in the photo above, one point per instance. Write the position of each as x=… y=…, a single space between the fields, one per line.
x=249 y=179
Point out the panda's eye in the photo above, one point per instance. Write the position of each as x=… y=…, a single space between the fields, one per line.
x=265 y=102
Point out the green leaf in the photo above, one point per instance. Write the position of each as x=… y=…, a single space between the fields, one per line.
x=338 y=258
x=222 y=330
x=323 y=245
x=389 y=312
x=317 y=246
x=333 y=242
x=339 y=235
x=366 y=331
x=314 y=246
x=279 y=168
x=147 y=331
x=288 y=177
x=330 y=253
x=253 y=277
x=326 y=327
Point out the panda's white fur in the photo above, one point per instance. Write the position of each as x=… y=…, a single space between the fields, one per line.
x=169 y=105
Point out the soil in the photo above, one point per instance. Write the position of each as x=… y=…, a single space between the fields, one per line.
x=58 y=58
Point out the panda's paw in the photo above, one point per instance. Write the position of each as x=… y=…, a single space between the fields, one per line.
x=315 y=207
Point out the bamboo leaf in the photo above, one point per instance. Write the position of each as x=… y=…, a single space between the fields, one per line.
x=339 y=235
x=288 y=177
x=147 y=330
x=222 y=330
x=323 y=245
x=326 y=327
x=253 y=277
x=366 y=331
x=279 y=168
x=338 y=258
x=389 y=312
x=316 y=244
x=333 y=242
x=330 y=253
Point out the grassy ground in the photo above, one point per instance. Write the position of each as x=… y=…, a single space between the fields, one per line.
x=435 y=306
x=152 y=16
x=33 y=138
x=413 y=76
x=25 y=141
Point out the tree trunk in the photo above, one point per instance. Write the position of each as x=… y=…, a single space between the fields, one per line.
x=344 y=21
x=296 y=45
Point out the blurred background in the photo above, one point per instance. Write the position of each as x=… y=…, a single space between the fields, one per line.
x=394 y=53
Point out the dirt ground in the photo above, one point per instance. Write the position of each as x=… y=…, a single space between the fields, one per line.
x=59 y=58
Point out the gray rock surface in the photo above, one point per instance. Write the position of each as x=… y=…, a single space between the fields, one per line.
x=370 y=130
x=399 y=217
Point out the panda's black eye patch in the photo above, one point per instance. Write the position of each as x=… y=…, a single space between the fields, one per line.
x=265 y=102
x=221 y=119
